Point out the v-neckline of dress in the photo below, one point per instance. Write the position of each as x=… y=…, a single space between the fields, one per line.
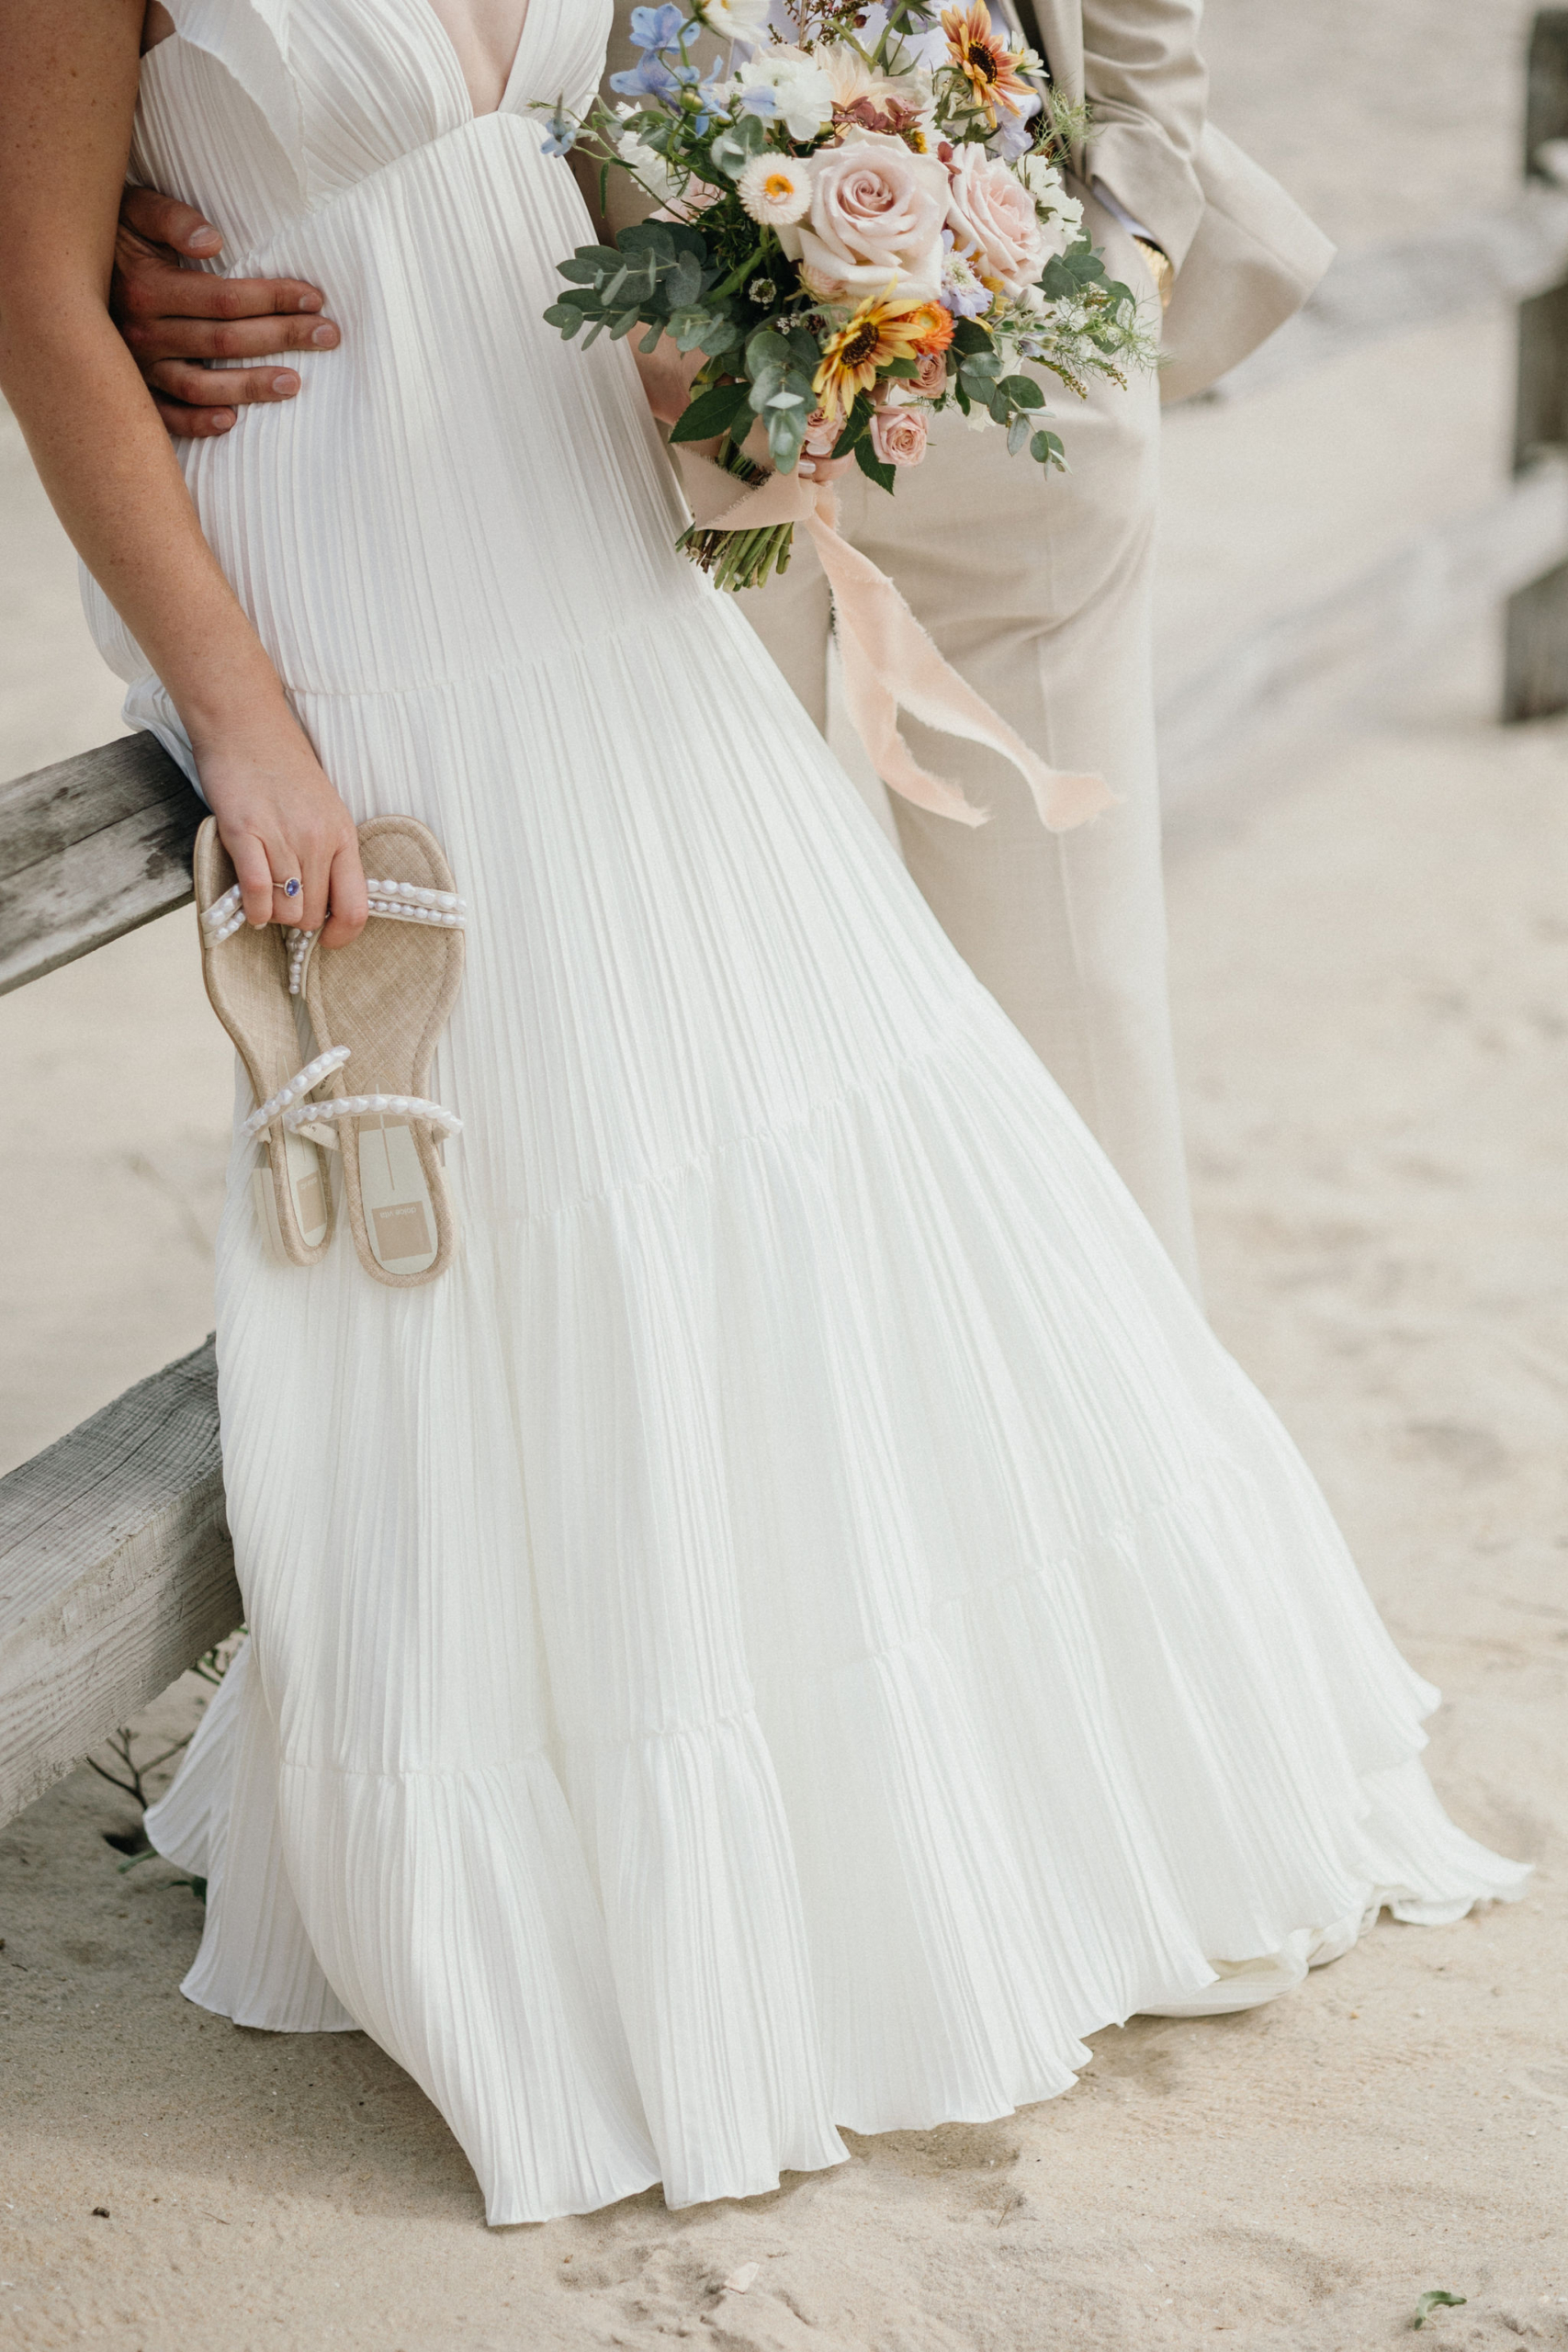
x=454 y=63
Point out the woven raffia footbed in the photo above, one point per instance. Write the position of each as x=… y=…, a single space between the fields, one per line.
x=246 y=977
x=387 y=997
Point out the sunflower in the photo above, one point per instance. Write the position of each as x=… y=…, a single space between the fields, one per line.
x=882 y=330
x=986 y=63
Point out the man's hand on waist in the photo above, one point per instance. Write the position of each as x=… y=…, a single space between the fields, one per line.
x=174 y=318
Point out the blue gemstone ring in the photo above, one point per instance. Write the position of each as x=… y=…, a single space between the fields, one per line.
x=291 y=889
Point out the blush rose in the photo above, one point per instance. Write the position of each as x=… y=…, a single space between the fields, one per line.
x=994 y=222
x=899 y=435
x=876 y=219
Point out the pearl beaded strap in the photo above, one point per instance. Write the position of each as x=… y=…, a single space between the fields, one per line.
x=225 y=917
x=394 y=902
x=300 y=1083
x=413 y=904
x=366 y=1106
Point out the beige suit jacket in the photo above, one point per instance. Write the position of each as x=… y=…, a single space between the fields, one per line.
x=1245 y=253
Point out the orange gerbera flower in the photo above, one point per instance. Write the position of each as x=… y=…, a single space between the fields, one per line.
x=935 y=327
x=986 y=63
x=883 y=329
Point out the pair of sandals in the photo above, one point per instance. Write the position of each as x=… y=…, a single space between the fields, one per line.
x=377 y=1009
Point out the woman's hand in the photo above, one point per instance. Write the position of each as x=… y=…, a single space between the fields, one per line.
x=280 y=821
x=667 y=372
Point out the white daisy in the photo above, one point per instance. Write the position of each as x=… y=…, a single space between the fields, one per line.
x=775 y=190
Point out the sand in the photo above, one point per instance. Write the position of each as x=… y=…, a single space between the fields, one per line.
x=1371 y=967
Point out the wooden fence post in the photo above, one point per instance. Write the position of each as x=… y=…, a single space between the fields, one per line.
x=1535 y=661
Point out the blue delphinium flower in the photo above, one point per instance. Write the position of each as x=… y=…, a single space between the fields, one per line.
x=706 y=92
x=648 y=78
x=562 y=136
x=658 y=28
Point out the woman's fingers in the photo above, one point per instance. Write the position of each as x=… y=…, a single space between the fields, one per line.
x=253 y=872
x=330 y=896
x=346 y=891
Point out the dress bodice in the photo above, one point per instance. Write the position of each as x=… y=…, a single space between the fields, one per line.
x=401 y=524
x=337 y=90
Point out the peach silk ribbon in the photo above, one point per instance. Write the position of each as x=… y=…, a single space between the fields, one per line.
x=887 y=658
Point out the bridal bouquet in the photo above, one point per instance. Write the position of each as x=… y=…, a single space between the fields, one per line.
x=857 y=230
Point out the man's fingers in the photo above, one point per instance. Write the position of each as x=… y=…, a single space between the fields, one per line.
x=349 y=904
x=221 y=387
x=195 y=423
x=168 y=336
x=147 y=287
x=253 y=872
x=164 y=221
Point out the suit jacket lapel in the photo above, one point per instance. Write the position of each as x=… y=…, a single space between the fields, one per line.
x=1056 y=29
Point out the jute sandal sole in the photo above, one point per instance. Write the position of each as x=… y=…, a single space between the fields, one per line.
x=246 y=976
x=387 y=1000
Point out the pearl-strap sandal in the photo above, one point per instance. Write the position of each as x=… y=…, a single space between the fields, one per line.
x=246 y=974
x=381 y=1005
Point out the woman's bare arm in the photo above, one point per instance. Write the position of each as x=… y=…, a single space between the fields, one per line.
x=67 y=95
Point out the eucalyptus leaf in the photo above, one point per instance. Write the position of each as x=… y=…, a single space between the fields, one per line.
x=1023 y=392
x=650 y=236
x=785 y=433
x=767 y=348
x=690 y=328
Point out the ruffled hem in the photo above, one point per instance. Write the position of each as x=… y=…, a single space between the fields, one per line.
x=900 y=1891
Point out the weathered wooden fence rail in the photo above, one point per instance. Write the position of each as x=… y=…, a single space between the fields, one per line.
x=116 y=1571
x=88 y=850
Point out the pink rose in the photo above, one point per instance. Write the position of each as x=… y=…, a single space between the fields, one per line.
x=929 y=381
x=899 y=435
x=875 y=219
x=993 y=220
x=822 y=432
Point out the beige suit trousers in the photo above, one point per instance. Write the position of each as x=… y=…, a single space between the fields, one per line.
x=1039 y=590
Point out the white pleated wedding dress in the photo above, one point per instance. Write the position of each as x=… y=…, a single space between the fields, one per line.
x=803 y=1622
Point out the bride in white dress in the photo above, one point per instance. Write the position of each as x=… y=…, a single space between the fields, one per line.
x=803 y=1622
